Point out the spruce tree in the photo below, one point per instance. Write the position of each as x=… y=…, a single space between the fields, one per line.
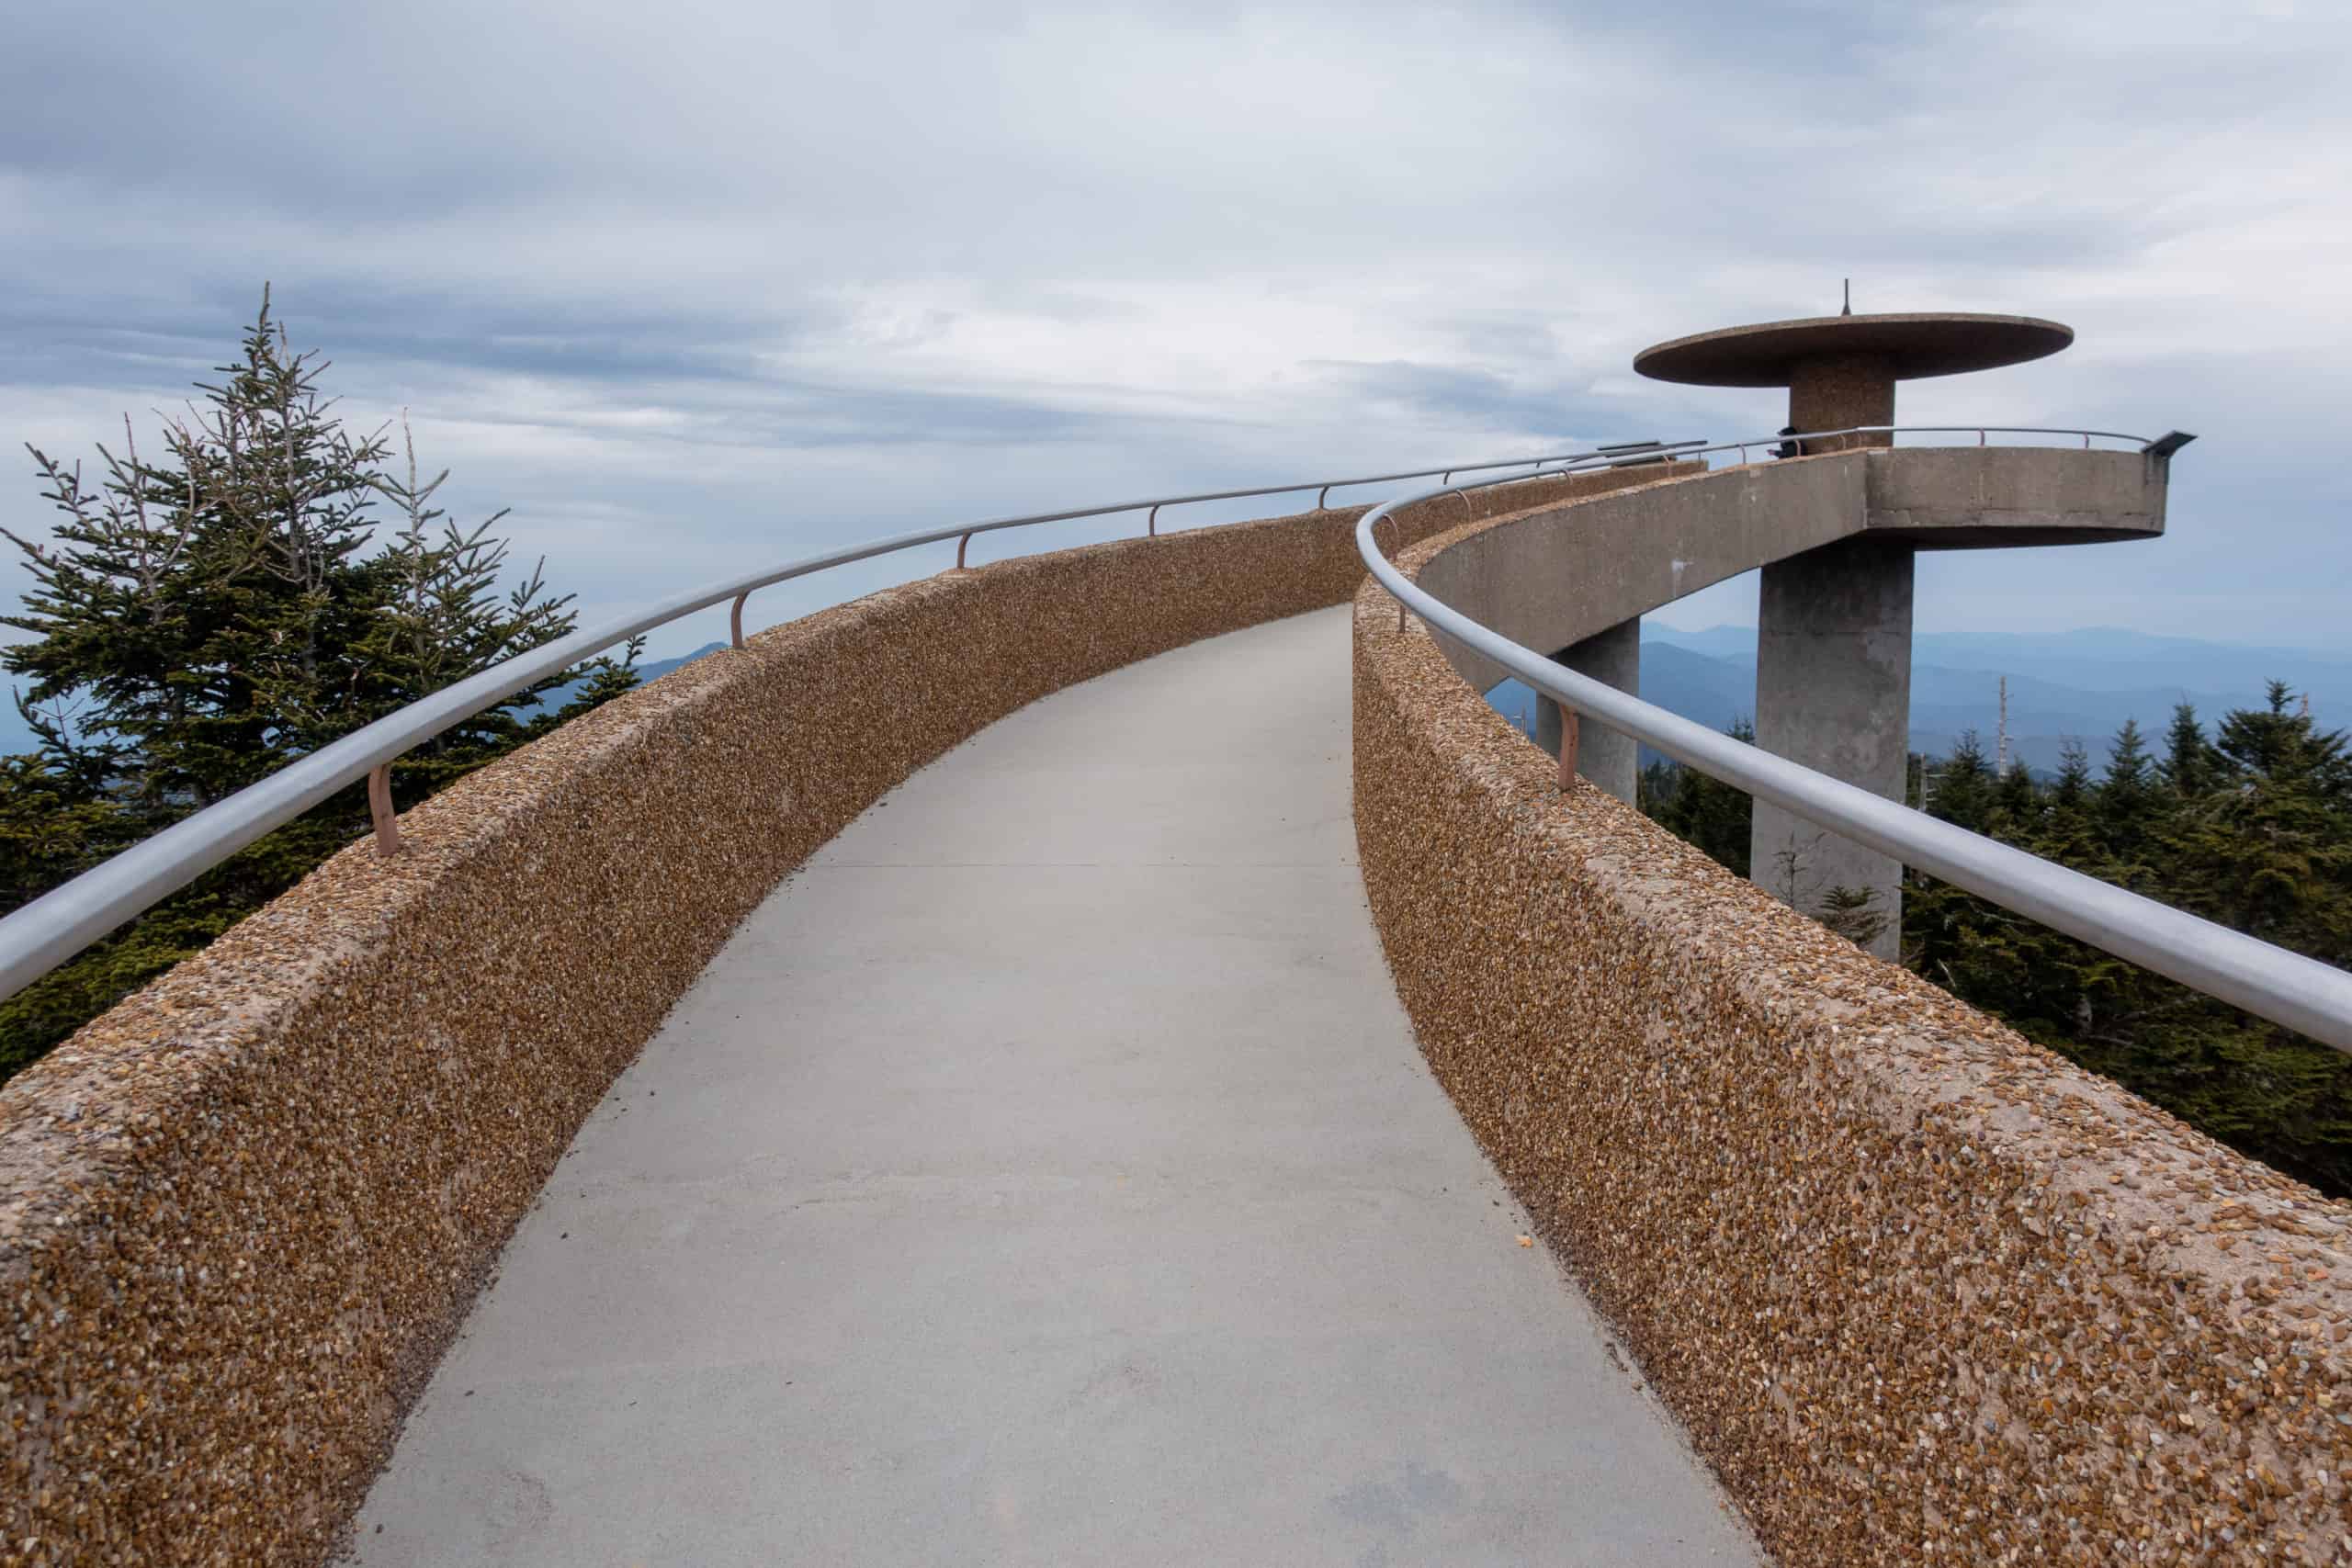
x=2187 y=766
x=1709 y=813
x=207 y=611
x=2128 y=806
x=2272 y=846
x=1962 y=792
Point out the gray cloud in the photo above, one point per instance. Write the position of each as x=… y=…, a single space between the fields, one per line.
x=695 y=282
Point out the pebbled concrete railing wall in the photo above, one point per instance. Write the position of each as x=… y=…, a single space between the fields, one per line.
x=242 y=1213
x=1919 y=1291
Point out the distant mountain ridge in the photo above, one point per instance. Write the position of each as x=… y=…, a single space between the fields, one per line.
x=17 y=737
x=645 y=673
x=2078 y=685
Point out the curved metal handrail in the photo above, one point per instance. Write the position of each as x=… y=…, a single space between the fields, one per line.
x=2303 y=994
x=42 y=934
x=2163 y=445
x=45 y=933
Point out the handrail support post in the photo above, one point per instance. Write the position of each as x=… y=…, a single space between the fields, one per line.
x=380 y=808
x=735 y=619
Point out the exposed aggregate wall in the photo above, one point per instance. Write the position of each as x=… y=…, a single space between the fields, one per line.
x=242 y=1213
x=1920 y=1290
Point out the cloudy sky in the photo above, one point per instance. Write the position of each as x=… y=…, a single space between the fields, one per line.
x=695 y=285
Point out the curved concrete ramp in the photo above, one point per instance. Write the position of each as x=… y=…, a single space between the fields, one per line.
x=1047 y=1174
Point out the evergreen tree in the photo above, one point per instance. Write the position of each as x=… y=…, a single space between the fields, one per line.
x=202 y=617
x=2017 y=805
x=2129 y=807
x=1706 y=811
x=1963 y=792
x=2271 y=848
x=2189 y=760
x=2068 y=829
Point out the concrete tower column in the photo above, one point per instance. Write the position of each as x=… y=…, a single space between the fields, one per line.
x=1833 y=692
x=1610 y=759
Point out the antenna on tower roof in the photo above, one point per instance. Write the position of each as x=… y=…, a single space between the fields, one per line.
x=1850 y=299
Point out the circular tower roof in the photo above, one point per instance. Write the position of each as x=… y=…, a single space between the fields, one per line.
x=1911 y=344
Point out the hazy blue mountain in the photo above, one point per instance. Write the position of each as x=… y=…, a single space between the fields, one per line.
x=1700 y=688
x=16 y=737
x=2066 y=685
x=646 y=672
x=2078 y=685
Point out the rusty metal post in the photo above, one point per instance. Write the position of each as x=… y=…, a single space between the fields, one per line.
x=1568 y=748
x=380 y=806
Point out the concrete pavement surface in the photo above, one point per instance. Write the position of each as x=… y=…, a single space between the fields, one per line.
x=1047 y=1174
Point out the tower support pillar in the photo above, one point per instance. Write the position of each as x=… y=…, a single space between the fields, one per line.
x=1607 y=758
x=1833 y=692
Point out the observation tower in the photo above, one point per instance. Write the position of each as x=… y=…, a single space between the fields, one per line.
x=1833 y=656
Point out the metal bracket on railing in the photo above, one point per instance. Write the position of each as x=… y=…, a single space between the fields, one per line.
x=960 y=551
x=1151 y=525
x=1980 y=438
x=1321 y=496
x=380 y=806
x=735 y=619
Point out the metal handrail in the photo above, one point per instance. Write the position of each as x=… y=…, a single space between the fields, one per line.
x=1694 y=449
x=45 y=933
x=2299 y=993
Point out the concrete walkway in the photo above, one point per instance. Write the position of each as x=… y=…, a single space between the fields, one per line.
x=1045 y=1174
